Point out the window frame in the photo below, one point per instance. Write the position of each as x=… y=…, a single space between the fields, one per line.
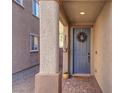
x=34 y=12
x=35 y=35
x=21 y=3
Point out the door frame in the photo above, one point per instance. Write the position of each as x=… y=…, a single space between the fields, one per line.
x=71 y=51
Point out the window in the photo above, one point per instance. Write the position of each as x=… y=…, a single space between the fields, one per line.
x=35 y=7
x=20 y=2
x=33 y=42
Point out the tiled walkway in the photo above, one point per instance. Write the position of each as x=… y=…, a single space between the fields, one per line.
x=80 y=85
x=23 y=82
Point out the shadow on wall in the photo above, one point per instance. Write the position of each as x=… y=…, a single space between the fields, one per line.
x=60 y=59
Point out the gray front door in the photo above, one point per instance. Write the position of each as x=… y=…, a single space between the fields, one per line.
x=81 y=50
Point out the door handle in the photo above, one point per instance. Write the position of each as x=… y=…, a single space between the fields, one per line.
x=88 y=57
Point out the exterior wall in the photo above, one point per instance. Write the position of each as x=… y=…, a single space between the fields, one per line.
x=23 y=24
x=65 y=27
x=60 y=59
x=103 y=48
x=66 y=50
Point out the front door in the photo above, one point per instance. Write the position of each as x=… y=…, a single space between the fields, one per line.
x=81 y=51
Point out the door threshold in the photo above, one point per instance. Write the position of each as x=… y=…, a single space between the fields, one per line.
x=87 y=75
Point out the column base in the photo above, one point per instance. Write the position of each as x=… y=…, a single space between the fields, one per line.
x=47 y=83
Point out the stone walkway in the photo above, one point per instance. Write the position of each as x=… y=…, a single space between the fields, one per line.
x=80 y=85
x=23 y=82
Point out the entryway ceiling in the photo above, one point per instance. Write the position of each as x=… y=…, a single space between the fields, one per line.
x=92 y=8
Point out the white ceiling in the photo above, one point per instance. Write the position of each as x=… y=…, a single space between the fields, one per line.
x=73 y=8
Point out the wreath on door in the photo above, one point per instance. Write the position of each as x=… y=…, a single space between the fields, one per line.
x=82 y=37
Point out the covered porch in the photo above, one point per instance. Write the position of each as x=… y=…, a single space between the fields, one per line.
x=86 y=48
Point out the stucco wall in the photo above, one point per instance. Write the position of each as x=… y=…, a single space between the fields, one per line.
x=65 y=28
x=23 y=23
x=66 y=53
x=103 y=48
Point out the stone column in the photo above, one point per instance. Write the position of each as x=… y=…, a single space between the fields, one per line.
x=48 y=79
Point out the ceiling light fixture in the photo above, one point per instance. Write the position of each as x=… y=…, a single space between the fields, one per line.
x=82 y=13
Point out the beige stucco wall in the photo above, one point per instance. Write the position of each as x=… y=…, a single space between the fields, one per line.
x=23 y=23
x=103 y=46
x=65 y=28
x=66 y=50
